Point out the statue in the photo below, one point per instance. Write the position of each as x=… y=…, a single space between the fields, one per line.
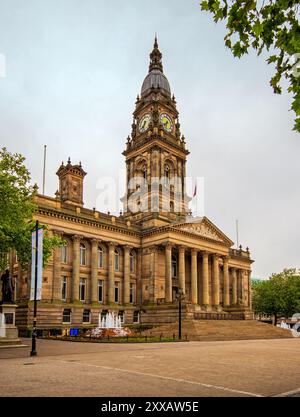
x=7 y=288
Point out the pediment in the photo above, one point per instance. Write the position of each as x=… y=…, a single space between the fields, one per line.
x=204 y=228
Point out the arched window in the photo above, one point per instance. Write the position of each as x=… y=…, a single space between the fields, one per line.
x=144 y=169
x=131 y=257
x=100 y=257
x=174 y=266
x=171 y=206
x=82 y=254
x=117 y=260
x=167 y=172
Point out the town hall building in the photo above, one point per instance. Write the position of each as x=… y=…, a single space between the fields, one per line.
x=137 y=263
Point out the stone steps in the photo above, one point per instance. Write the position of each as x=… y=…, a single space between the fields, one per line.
x=205 y=330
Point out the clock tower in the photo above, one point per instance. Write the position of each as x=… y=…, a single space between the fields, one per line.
x=155 y=154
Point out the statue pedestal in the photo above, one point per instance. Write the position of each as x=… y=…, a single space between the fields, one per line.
x=8 y=329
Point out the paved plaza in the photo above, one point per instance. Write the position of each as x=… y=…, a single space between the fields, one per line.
x=235 y=368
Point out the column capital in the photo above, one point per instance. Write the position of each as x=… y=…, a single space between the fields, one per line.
x=112 y=244
x=168 y=245
x=194 y=251
x=225 y=258
x=77 y=238
x=58 y=233
x=182 y=248
x=205 y=253
x=95 y=241
x=127 y=247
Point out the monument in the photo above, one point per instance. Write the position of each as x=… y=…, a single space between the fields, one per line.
x=8 y=329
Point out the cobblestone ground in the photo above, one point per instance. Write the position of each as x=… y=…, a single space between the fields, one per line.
x=234 y=368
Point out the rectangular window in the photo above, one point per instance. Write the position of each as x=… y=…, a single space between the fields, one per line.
x=132 y=293
x=116 y=292
x=63 y=254
x=64 y=288
x=86 y=317
x=82 y=285
x=100 y=291
x=121 y=316
x=136 y=317
x=131 y=263
x=66 y=315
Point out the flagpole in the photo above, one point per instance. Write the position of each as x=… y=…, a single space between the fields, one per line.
x=44 y=169
x=237 y=233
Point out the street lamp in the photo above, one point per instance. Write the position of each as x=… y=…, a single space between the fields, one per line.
x=179 y=296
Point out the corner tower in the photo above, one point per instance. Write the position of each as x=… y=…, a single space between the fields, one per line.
x=155 y=154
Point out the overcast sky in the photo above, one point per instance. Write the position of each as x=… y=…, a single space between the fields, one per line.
x=74 y=69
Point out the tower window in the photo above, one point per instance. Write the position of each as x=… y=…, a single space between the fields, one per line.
x=82 y=254
x=167 y=172
x=145 y=172
x=171 y=206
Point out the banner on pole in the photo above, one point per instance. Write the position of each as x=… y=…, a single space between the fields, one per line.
x=39 y=265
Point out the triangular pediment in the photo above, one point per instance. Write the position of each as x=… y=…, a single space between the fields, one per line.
x=204 y=228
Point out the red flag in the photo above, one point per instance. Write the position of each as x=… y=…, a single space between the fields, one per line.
x=195 y=191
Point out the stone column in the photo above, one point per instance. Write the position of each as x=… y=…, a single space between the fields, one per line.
x=153 y=274
x=111 y=272
x=168 y=273
x=76 y=268
x=56 y=283
x=126 y=298
x=205 y=288
x=249 y=290
x=216 y=281
x=234 y=287
x=94 y=271
x=194 y=298
x=182 y=268
x=226 y=294
x=245 y=289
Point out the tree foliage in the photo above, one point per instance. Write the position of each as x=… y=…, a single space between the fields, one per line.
x=17 y=208
x=270 y=26
x=278 y=296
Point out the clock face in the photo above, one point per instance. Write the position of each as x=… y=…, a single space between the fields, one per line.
x=144 y=123
x=166 y=122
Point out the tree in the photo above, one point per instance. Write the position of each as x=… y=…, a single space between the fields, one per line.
x=17 y=208
x=270 y=26
x=278 y=296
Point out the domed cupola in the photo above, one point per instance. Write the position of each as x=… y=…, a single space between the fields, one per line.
x=156 y=77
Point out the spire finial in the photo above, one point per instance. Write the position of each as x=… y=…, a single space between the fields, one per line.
x=155 y=57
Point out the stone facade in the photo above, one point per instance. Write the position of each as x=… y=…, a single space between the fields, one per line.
x=135 y=263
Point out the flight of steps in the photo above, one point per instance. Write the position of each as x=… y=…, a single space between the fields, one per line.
x=209 y=330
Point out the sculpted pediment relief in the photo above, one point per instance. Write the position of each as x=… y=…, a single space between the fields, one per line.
x=206 y=229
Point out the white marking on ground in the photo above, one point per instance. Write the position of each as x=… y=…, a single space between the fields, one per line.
x=286 y=394
x=185 y=381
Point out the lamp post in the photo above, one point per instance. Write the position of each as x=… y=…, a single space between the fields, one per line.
x=33 y=346
x=180 y=297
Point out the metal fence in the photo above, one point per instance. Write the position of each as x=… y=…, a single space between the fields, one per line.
x=218 y=316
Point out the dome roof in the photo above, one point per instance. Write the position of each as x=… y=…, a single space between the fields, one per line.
x=156 y=79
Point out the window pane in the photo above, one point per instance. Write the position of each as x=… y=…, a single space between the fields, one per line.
x=100 y=258
x=116 y=292
x=116 y=260
x=63 y=254
x=66 y=315
x=64 y=288
x=86 y=316
x=100 y=291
